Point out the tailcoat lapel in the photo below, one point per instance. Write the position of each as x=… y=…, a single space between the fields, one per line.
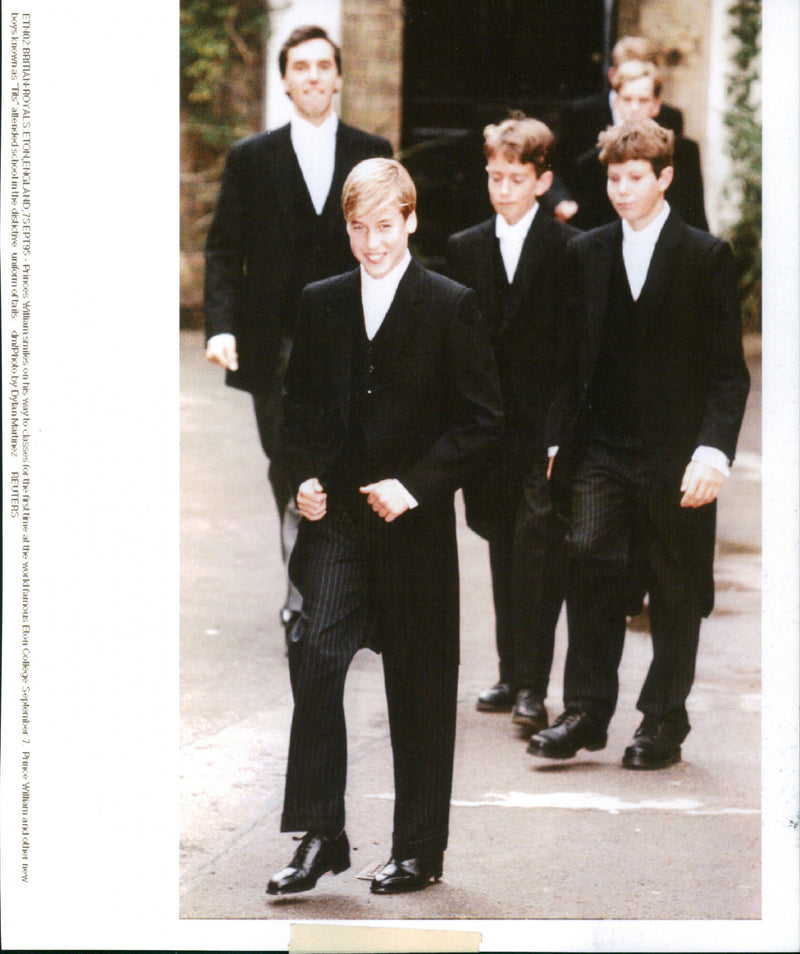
x=530 y=262
x=607 y=244
x=345 y=310
x=487 y=249
x=341 y=162
x=282 y=162
x=662 y=269
x=404 y=314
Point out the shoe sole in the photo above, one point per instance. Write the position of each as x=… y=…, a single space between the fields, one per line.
x=401 y=888
x=530 y=725
x=488 y=707
x=562 y=754
x=635 y=761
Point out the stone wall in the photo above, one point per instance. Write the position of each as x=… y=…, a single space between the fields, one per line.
x=682 y=30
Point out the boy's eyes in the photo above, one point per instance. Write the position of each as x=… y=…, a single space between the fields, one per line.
x=515 y=180
x=358 y=227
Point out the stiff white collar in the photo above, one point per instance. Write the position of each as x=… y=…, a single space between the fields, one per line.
x=377 y=294
x=637 y=249
x=512 y=238
x=303 y=128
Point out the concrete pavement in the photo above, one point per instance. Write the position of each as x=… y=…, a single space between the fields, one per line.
x=529 y=839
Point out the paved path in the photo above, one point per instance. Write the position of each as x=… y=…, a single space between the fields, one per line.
x=530 y=839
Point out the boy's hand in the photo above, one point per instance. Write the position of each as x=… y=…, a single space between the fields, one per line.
x=221 y=349
x=386 y=499
x=312 y=501
x=700 y=484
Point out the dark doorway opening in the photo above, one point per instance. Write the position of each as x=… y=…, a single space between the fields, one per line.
x=468 y=63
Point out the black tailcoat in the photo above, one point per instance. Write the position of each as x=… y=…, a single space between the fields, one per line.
x=527 y=338
x=691 y=381
x=432 y=420
x=252 y=284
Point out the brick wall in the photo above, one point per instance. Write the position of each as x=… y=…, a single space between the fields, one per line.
x=372 y=45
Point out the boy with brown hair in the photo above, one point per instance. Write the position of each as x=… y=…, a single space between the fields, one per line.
x=514 y=261
x=391 y=400
x=643 y=435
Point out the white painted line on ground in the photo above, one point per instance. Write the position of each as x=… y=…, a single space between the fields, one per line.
x=590 y=801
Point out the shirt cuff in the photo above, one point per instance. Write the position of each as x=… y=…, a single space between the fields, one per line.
x=712 y=456
x=411 y=501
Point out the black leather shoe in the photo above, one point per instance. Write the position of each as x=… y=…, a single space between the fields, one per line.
x=499 y=698
x=529 y=712
x=574 y=729
x=413 y=874
x=315 y=855
x=656 y=743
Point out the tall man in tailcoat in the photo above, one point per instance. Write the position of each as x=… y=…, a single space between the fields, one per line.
x=643 y=434
x=391 y=400
x=277 y=226
x=514 y=261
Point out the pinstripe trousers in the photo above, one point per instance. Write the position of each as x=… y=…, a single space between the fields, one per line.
x=528 y=564
x=342 y=590
x=629 y=530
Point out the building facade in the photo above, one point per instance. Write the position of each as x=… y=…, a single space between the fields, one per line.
x=420 y=70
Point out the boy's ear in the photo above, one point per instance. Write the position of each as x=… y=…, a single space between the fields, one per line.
x=544 y=182
x=411 y=223
x=665 y=178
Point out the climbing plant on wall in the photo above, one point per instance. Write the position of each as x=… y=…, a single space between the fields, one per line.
x=222 y=68
x=743 y=119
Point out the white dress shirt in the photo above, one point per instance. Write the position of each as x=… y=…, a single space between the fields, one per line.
x=377 y=295
x=637 y=249
x=512 y=238
x=315 y=148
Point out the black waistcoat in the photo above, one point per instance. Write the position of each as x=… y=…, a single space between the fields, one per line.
x=506 y=303
x=355 y=467
x=317 y=242
x=615 y=418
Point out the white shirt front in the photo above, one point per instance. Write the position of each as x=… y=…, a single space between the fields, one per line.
x=512 y=238
x=637 y=249
x=377 y=295
x=315 y=148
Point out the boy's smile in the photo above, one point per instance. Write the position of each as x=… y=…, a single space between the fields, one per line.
x=379 y=238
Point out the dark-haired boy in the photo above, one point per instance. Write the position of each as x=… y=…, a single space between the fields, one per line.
x=514 y=261
x=645 y=432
